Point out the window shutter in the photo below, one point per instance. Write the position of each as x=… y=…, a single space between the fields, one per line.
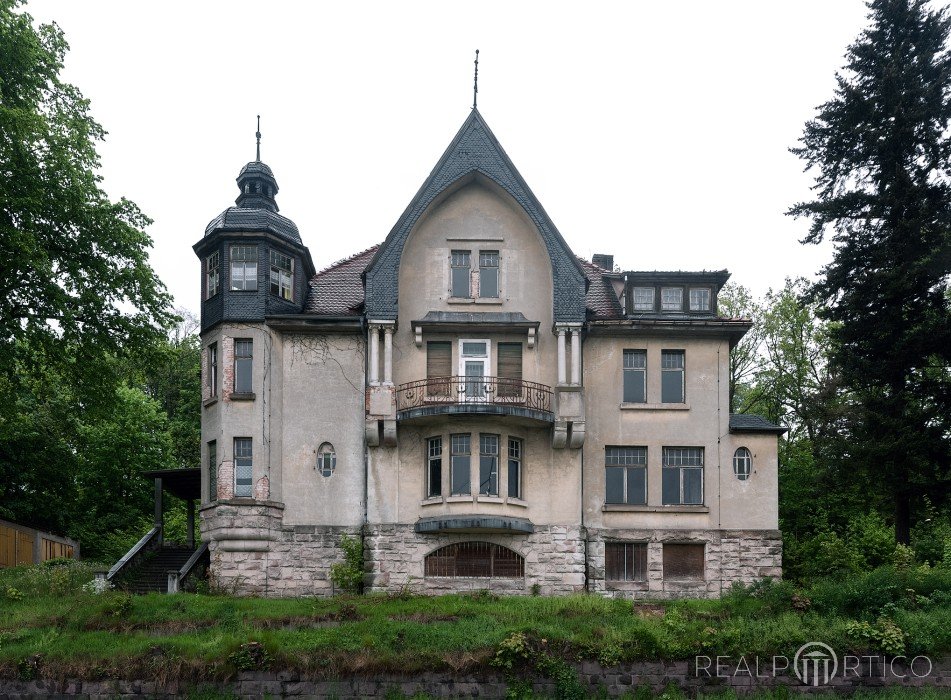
x=510 y=367
x=438 y=364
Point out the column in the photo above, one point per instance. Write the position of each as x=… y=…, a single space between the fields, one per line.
x=159 y=521
x=374 y=354
x=190 y=527
x=576 y=356
x=561 y=355
x=388 y=355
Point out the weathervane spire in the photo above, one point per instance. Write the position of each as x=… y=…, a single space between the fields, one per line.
x=258 y=135
x=475 y=84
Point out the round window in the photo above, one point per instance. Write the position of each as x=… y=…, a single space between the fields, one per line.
x=742 y=464
x=326 y=459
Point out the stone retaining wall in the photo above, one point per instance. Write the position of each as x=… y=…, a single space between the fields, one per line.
x=612 y=682
x=554 y=560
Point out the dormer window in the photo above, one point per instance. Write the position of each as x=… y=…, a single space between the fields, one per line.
x=282 y=275
x=643 y=298
x=212 y=277
x=700 y=299
x=671 y=298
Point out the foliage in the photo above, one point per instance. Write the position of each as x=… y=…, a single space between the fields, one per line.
x=886 y=636
x=251 y=656
x=348 y=574
x=882 y=156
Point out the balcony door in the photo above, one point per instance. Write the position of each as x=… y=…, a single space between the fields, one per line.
x=474 y=366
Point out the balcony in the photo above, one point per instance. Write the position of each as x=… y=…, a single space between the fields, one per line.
x=474 y=395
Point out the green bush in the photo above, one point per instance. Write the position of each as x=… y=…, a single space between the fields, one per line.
x=66 y=577
x=348 y=574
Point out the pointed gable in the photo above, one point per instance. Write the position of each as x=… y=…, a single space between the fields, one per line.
x=475 y=150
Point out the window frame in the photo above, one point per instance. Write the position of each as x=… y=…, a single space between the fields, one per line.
x=669 y=465
x=434 y=460
x=460 y=260
x=514 y=458
x=631 y=372
x=668 y=306
x=249 y=358
x=213 y=370
x=743 y=460
x=455 y=451
x=323 y=456
x=709 y=298
x=246 y=264
x=249 y=459
x=664 y=355
x=284 y=291
x=635 y=460
x=489 y=464
x=638 y=561
x=212 y=274
x=485 y=264
x=212 y=470
x=643 y=306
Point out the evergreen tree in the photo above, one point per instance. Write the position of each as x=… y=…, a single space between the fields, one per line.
x=883 y=160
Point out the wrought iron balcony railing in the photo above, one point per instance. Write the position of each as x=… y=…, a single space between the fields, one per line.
x=478 y=391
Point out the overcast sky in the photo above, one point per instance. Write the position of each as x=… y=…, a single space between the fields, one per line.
x=658 y=132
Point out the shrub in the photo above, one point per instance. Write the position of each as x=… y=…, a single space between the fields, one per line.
x=251 y=657
x=348 y=574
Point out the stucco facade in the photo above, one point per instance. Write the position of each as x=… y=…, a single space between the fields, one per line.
x=481 y=407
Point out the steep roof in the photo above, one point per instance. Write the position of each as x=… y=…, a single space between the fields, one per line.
x=750 y=423
x=338 y=289
x=240 y=219
x=475 y=151
x=600 y=301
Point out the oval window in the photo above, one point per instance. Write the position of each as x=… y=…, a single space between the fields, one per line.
x=742 y=464
x=326 y=459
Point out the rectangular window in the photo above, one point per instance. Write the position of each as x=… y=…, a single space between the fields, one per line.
x=434 y=467
x=242 y=467
x=439 y=367
x=510 y=370
x=635 y=376
x=683 y=476
x=489 y=465
x=625 y=475
x=672 y=376
x=244 y=267
x=671 y=298
x=683 y=562
x=213 y=369
x=625 y=561
x=515 y=468
x=700 y=299
x=213 y=471
x=461 y=474
x=643 y=298
x=212 y=278
x=282 y=275
x=243 y=349
x=459 y=267
x=489 y=274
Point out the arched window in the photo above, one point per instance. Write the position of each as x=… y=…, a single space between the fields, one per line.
x=742 y=464
x=475 y=559
x=326 y=459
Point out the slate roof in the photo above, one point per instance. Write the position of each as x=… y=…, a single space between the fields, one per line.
x=749 y=423
x=600 y=300
x=255 y=167
x=240 y=219
x=338 y=289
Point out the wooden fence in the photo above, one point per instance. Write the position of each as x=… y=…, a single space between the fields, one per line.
x=25 y=545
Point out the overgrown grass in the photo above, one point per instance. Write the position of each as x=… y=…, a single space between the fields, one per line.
x=51 y=624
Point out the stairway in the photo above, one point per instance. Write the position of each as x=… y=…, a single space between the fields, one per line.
x=152 y=575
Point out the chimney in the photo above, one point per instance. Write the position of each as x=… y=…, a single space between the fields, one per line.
x=604 y=261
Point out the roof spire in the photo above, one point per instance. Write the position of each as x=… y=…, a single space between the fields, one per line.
x=258 y=135
x=475 y=84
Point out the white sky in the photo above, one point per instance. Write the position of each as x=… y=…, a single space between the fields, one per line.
x=654 y=131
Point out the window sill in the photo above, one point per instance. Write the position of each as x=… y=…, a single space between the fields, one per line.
x=626 y=406
x=486 y=498
x=432 y=501
x=627 y=508
x=493 y=301
x=489 y=300
x=242 y=397
x=618 y=585
x=459 y=498
x=517 y=502
x=209 y=401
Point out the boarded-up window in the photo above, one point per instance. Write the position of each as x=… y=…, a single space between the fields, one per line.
x=439 y=365
x=625 y=561
x=510 y=369
x=475 y=559
x=683 y=562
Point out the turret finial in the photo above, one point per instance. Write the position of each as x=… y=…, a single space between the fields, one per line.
x=258 y=135
x=475 y=84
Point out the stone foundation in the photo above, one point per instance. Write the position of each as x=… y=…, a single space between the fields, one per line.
x=254 y=553
x=730 y=556
x=554 y=561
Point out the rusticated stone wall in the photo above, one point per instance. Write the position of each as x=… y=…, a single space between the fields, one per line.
x=253 y=553
x=554 y=560
x=730 y=556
